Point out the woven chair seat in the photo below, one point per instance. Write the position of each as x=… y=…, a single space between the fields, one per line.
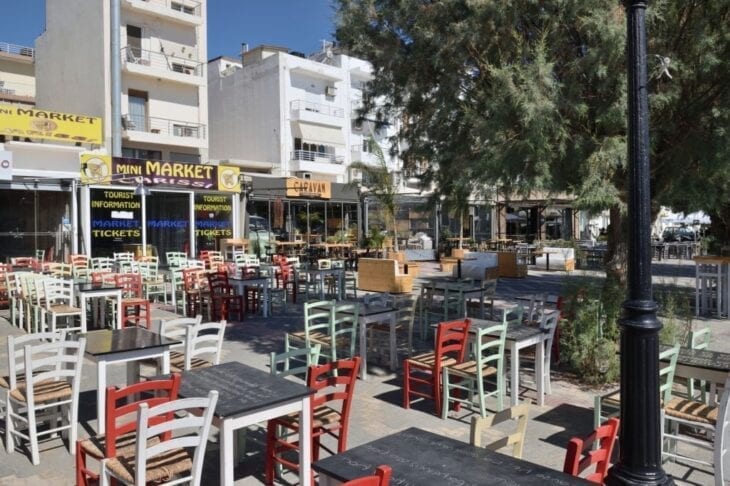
x=134 y=301
x=316 y=337
x=468 y=369
x=428 y=360
x=178 y=365
x=691 y=410
x=175 y=357
x=44 y=391
x=324 y=416
x=64 y=309
x=4 y=382
x=126 y=444
x=162 y=467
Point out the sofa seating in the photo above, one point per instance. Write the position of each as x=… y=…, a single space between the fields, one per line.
x=382 y=275
x=562 y=259
x=477 y=265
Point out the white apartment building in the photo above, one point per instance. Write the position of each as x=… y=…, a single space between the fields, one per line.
x=281 y=113
x=17 y=74
x=163 y=47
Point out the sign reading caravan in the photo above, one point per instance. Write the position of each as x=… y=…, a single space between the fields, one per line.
x=308 y=188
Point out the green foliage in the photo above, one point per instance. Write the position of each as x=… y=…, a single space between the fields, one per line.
x=375 y=238
x=676 y=316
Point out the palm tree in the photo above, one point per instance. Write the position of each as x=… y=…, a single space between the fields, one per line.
x=379 y=182
x=456 y=202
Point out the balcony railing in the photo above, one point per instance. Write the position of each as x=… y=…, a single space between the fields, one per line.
x=298 y=105
x=310 y=156
x=160 y=60
x=17 y=50
x=17 y=89
x=163 y=126
x=189 y=7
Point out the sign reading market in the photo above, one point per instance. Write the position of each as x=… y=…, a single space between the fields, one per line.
x=19 y=121
x=104 y=169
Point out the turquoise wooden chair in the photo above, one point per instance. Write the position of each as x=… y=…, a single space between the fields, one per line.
x=609 y=405
x=699 y=339
x=487 y=361
x=318 y=317
x=343 y=331
x=294 y=361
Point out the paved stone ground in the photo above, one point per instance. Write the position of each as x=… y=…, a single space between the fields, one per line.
x=377 y=410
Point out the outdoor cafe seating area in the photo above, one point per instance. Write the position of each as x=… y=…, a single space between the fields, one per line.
x=458 y=349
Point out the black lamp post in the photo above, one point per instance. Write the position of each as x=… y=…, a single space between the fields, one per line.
x=640 y=436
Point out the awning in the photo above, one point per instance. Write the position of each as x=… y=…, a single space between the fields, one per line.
x=311 y=133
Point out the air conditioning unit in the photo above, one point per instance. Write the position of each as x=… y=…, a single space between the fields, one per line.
x=229 y=70
x=355 y=175
x=304 y=175
x=330 y=91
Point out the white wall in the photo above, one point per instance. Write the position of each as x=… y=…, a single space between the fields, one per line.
x=72 y=60
x=18 y=76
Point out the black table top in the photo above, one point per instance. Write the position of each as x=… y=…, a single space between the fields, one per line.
x=514 y=333
x=418 y=457
x=242 y=389
x=107 y=341
x=703 y=358
x=92 y=287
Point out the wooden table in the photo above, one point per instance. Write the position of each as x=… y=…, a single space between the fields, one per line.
x=702 y=364
x=422 y=458
x=247 y=396
x=440 y=284
x=338 y=273
x=521 y=337
x=262 y=280
x=87 y=291
x=129 y=345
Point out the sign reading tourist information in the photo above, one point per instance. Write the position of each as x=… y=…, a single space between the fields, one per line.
x=115 y=216
x=20 y=121
x=308 y=188
x=213 y=214
x=103 y=169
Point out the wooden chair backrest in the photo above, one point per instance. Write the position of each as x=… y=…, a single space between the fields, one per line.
x=516 y=440
x=581 y=454
x=381 y=477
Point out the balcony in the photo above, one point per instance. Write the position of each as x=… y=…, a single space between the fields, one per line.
x=318 y=113
x=182 y=11
x=17 y=52
x=15 y=92
x=308 y=161
x=164 y=131
x=159 y=65
x=361 y=153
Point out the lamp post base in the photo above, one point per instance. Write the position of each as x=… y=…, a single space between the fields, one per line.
x=620 y=475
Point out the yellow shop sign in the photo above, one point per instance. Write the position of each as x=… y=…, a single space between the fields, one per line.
x=308 y=188
x=19 y=121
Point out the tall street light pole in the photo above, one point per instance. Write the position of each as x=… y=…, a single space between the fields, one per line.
x=640 y=437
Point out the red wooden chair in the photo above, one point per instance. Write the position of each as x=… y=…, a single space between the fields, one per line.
x=581 y=455
x=223 y=298
x=380 y=478
x=285 y=278
x=334 y=385
x=135 y=308
x=121 y=423
x=250 y=292
x=195 y=294
x=424 y=370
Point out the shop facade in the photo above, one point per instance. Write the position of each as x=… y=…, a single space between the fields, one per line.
x=150 y=207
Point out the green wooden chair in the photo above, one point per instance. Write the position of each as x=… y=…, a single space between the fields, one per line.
x=343 y=331
x=488 y=361
x=609 y=405
x=318 y=316
x=699 y=339
x=294 y=361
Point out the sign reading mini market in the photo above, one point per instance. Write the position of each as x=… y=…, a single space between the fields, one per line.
x=103 y=169
x=308 y=188
x=18 y=121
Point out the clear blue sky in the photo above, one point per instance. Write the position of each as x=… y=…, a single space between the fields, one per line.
x=297 y=24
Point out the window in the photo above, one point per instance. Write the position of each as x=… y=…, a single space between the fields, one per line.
x=135 y=153
x=189 y=158
x=134 y=42
x=179 y=7
x=137 y=118
x=186 y=131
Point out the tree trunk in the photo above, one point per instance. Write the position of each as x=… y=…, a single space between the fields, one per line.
x=617 y=254
x=461 y=231
x=395 y=232
x=720 y=228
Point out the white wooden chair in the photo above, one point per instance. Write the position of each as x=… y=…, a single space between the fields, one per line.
x=177 y=329
x=52 y=379
x=203 y=344
x=696 y=416
x=59 y=303
x=167 y=461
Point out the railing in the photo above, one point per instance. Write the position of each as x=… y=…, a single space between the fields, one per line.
x=160 y=60
x=189 y=7
x=17 y=89
x=328 y=110
x=17 y=50
x=311 y=156
x=163 y=126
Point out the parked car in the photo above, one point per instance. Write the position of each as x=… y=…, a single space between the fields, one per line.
x=679 y=234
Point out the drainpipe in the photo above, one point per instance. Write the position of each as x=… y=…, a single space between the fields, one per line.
x=116 y=79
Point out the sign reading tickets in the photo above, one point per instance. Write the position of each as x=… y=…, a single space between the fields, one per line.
x=19 y=121
x=104 y=169
x=308 y=188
